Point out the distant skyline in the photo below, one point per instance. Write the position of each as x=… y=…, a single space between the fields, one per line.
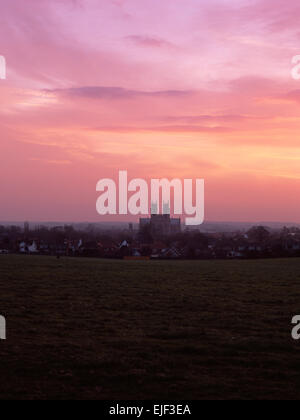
x=204 y=226
x=176 y=89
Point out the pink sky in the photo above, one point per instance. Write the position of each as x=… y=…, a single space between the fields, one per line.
x=162 y=88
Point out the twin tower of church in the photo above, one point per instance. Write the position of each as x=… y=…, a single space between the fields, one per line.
x=160 y=225
x=155 y=209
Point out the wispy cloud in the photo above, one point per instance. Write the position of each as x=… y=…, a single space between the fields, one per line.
x=184 y=128
x=51 y=162
x=101 y=92
x=149 y=41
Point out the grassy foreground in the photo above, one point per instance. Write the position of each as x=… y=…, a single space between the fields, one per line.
x=80 y=328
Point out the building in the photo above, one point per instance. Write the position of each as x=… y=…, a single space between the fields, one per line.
x=161 y=224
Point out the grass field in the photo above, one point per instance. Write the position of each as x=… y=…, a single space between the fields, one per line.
x=93 y=329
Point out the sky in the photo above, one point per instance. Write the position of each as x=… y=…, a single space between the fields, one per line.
x=160 y=88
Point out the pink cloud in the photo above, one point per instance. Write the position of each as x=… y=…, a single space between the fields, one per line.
x=148 y=41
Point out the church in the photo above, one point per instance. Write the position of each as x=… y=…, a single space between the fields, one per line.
x=161 y=224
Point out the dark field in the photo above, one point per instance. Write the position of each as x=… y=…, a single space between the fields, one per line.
x=92 y=329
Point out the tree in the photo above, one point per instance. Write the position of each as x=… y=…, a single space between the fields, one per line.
x=258 y=234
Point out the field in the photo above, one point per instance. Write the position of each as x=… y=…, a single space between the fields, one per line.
x=99 y=329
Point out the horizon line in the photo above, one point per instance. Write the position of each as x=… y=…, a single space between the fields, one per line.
x=137 y=222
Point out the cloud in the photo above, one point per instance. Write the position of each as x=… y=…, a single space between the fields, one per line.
x=293 y=96
x=51 y=162
x=196 y=119
x=165 y=129
x=255 y=85
x=101 y=92
x=149 y=41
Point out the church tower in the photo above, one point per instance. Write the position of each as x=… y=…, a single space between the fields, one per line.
x=166 y=208
x=154 y=208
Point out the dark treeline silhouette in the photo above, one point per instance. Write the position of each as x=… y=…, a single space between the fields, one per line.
x=258 y=242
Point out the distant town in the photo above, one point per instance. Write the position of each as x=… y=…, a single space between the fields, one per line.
x=158 y=237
